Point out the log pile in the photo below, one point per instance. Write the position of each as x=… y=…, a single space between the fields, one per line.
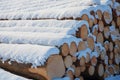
x=95 y=57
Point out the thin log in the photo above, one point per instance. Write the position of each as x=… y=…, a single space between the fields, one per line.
x=77 y=72
x=91 y=22
x=73 y=48
x=82 y=61
x=90 y=42
x=94 y=61
x=68 y=61
x=82 y=45
x=100 y=38
x=65 y=49
x=107 y=17
x=106 y=32
x=100 y=25
x=83 y=32
x=99 y=14
x=85 y=17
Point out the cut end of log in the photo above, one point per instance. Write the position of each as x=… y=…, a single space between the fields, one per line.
x=55 y=66
x=94 y=61
x=85 y=17
x=99 y=14
x=83 y=32
x=73 y=48
x=91 y=70
x=68 y=61
x=90 y=42
x=82 y=61
x=65 y=49
x=107 y=17
x=100 y=70
x=101 y=26
x=82 y=45
x=100 y=38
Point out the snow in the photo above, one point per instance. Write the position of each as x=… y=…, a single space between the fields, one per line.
x=54 y=26
x=83 y=53
x=26 y=53
x=74 y=12
x=7 y=75
x=51 y=39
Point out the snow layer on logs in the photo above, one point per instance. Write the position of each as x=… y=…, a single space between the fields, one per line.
x=30 y=5
x=73 y=12
x=55 y=26
x=51 y=39
x=26 y=53
x=7 y=75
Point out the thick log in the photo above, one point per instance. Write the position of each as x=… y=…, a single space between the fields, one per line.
x=46 y=72
x=73 y=48
x=65 y=49
x=68 y=61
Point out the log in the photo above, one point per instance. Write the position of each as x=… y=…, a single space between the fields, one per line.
x=70 y=75
x=111 y=70
x=113 y=23
x=87 y=59
x=100 y=70
x=100 y=38
x=68 y=61
x=111 y=55
x=91 y=22
x=65 y=49
x=90 y=42
x=106 y=32
x=82 y=45
x=107 y=17
x=118 y=21
x=82 y=61
x=99 y=14
x=77 y=72
x=73 y=48
x=116 y=69
x=95 y=21
x=100 y=25
x=46 y=72
x=81 y=78
x=85 y=17
x=110 y=61
x=106 y=45
x=82 y=68
x=83 y=32
x=111 y=46
x=93 y=61
x=74 y=58
x=91 y=70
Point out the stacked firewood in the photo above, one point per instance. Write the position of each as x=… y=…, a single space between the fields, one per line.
x=95 y=57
